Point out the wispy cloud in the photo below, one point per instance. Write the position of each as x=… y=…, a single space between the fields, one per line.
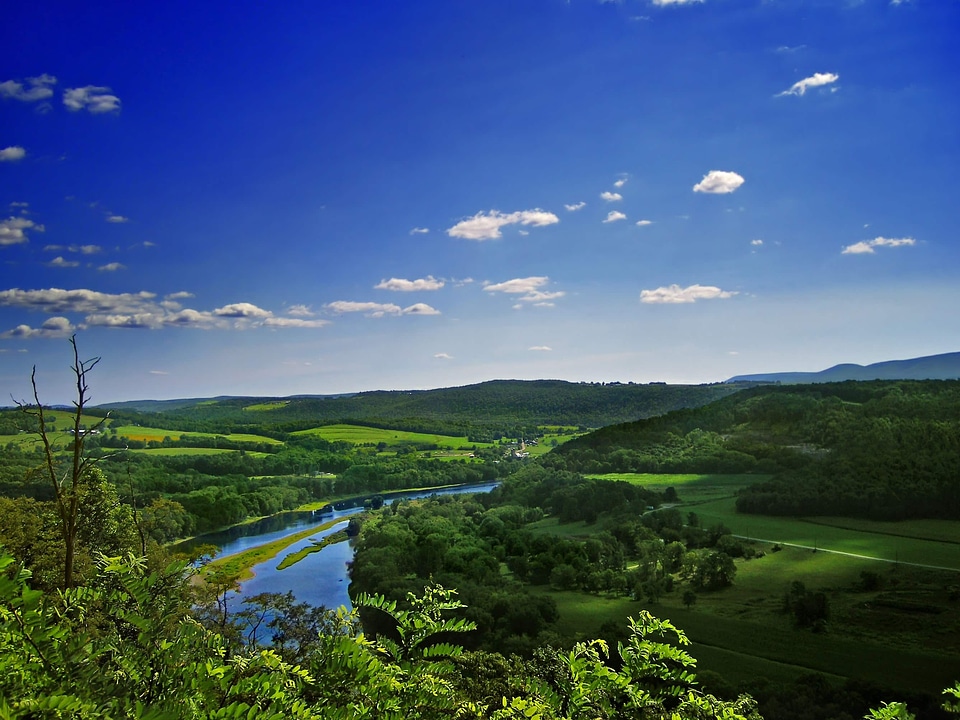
x=611 y=196
x=486 y=226
x=719 y=182
x=530 y=289
x=620 y=183
x=540 y=348
x=112 y=267
x=644 y=223
x=575 y=206
x=60 y=262
x=293 y=322
x=614 y=215
x=443 y=356
x=159 y=372
x=866 y=247
x=300 y=311
x=111 y=218
x=82 y=249
x=665 y=3
x=374 y=309
x=674 y=294
x=12 y=154
x=816 y=80
x=92 y=98
x=401 y=285
x=37 y=88
x=13 y=230
x=419 y=231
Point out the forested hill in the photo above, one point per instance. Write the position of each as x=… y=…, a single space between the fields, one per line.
x=489 y=405
x=879 y=449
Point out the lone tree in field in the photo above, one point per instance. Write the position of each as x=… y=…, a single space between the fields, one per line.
x=66 y=475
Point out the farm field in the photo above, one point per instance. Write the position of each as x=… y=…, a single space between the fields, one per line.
x=167 y=452
x=361 y=435
x=136 y=432
x=690 y=488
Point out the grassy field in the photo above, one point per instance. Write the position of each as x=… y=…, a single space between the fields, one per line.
x=136 y=432
x=360 y=435
x=267 y=406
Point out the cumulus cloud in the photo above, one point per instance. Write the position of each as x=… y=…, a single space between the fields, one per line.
x=13 y=230
x=620 y=183
x=866 y=247
x=299 y=311
x=142 y=310
x=757 y=243
x=719 y=182
x=180 y=295
x=575 y=206
x=37 y=88
x=529 y=288
x=611 y=196
x=94 y=99
x=443 y=356
x=541 y=348
x=644 y=223
x=486 y=226
x=676 y=294
x=419 y=231
x=420 y=309
x=111 y=218
x=12 y=154
x=400 y=285
x=370 y=308
x=112 y=267
x=242 y=310
x=614 y=215
x=53 y=327
x=816 y=80
x=60 y=262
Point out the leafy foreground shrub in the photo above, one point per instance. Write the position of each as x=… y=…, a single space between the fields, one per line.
x=126 y=646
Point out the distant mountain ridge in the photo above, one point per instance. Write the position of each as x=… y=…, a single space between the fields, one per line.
x=929 y=367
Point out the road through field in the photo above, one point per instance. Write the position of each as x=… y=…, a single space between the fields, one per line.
x=848 y=554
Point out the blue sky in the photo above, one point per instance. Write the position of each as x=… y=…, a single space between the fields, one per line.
x=236 y=198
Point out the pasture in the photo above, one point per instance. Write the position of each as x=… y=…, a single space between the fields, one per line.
x=146 y=434
x=175 y=451
x=361 y=435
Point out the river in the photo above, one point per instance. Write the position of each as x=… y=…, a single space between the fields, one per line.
x=320 y=578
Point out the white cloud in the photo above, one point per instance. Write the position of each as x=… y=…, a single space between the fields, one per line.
x=400 y=285
x=55 y=300
x=816 y=80
x=419 y=231
x=575 y=206
x=866 y=247
x=370 y=308
x=117 y=218
x=529 y=289
x=665 y=3
x=644 y=223
x=12 y=154
x=112 y=267
x=420 y=309
x=620 y=183
x=300 y=311
x=39 y=89
x=92 y=98
x=82 y=249
x=289 y=322
x=242 y=310
x=614 y=215
x=486 y=226
x=756 y=242
x=676 y=294
x=60 y=262
x=13 y=230
x=443 y=356
x=53 y=327
x=181 y=295
x=159 y=372
x=611 y=196
x=719 y=182
x=541 y=348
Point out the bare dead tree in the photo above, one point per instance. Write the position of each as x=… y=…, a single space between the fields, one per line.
x=66 y=478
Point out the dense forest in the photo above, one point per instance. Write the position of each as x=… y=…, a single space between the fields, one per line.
x=882 y=450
